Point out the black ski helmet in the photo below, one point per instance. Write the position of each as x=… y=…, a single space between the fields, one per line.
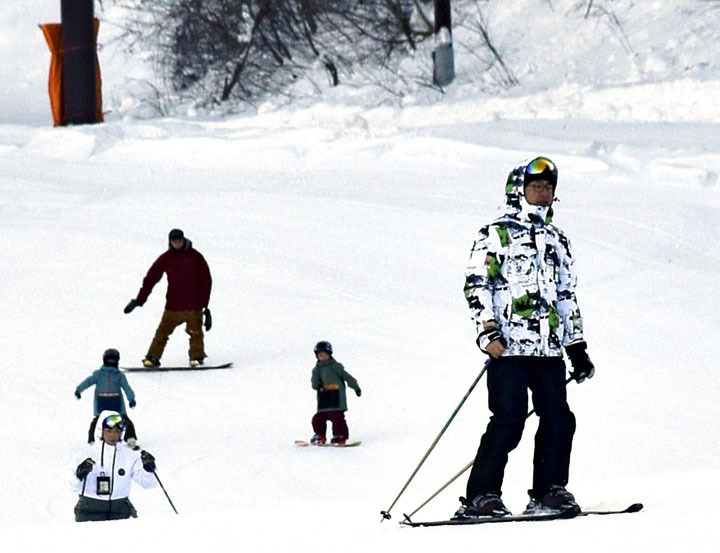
x=115 y=420
x=323 y=346
x=111 y=357
x=540 y=168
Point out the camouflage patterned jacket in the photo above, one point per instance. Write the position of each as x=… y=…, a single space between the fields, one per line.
x=521 y=278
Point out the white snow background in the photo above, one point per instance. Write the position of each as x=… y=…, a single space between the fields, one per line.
x=349 y=217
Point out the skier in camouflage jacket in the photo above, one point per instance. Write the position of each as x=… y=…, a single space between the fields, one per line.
x=520 y=287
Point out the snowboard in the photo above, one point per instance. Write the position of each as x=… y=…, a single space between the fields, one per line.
x=169 y=368
x=303 y=443
x=634 y=508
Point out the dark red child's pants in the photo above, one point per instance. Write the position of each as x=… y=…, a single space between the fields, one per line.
x=337 y=418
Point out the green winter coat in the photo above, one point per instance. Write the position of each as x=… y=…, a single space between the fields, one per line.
x=329 y=378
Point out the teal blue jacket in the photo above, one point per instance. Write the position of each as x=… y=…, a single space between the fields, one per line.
x=108 y=381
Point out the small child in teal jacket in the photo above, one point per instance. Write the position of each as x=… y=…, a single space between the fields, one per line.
x=109 y=384
x=329 y=378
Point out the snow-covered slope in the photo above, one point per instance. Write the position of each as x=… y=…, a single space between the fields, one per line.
x=350 y=222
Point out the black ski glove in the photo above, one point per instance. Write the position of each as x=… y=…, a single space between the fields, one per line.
x=148 y=461
x=84 y=468
x=77 y=394
x=486 y=337
x=132 y=404
x=130 y=306
x=582 y=366
x=358 y=392
x=208 y=319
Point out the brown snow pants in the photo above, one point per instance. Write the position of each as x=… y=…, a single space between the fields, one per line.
x=170 y=321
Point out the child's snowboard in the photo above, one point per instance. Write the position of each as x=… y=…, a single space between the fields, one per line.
x=304 y=443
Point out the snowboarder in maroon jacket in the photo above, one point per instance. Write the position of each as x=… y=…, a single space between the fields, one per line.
x=188 y=294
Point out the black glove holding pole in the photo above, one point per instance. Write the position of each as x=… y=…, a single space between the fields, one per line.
x=486 y=341
x=148 y=461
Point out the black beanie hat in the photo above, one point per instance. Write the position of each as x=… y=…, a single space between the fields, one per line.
x=176 y=234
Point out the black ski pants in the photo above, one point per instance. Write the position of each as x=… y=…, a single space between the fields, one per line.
x=508 y=381
x=91 y=509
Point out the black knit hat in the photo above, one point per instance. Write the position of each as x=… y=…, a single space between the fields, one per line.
x=176 y=234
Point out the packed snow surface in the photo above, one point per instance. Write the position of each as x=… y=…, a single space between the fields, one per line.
x=349 y=219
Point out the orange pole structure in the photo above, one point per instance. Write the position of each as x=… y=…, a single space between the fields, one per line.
x=53 y=36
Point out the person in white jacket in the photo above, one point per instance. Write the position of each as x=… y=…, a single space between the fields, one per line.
x=104 y=472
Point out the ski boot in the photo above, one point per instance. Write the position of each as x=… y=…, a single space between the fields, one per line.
x=556 y=500
x=483 y=505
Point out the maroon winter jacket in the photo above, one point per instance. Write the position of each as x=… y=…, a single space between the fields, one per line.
x=189 y=280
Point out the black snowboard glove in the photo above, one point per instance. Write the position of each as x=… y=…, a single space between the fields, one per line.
x=208 y=319
x=84 y=468
x=130 y=306
x=148 y=461
x=582 y=366
x=132 y=404
x=486 y=337
x=77 y=394
x=358 y=392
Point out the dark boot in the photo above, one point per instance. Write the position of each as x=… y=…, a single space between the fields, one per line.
x=151 y=361
x=557 y=499
x=484 y=505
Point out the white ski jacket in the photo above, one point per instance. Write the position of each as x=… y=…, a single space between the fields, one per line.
x=119 y=462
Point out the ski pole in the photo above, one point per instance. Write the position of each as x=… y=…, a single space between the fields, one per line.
x=166 y=494
x=386 y=514
x=429 y=499
x=458 y=475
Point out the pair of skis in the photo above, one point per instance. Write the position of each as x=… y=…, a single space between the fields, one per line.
x=634 y=508
x=304 y=443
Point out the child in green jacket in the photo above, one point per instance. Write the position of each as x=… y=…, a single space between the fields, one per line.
x=329 y=378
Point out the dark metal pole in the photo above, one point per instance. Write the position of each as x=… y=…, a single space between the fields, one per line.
x=443 y=56
x=443 y=17
x=166 y=494
x=79 y=51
